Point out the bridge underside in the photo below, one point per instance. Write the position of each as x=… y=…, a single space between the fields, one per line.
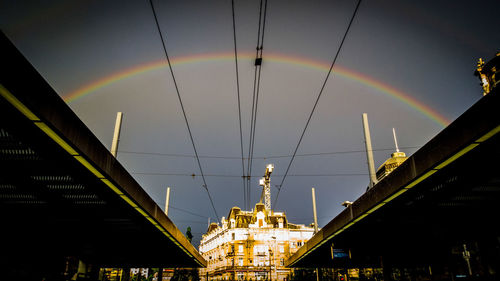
x=443 y=197
x=63 y=196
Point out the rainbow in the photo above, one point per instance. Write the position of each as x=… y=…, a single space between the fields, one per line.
x=273 y=57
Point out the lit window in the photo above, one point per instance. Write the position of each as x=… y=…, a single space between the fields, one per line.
x=282 y=249
x=240 y=248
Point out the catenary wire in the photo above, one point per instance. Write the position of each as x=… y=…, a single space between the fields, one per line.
x=239 y=176
x=249 y=165
x=187 y=211
x=256 y=89
x=182 y=107
x=317 y=100
x=261 y=157
x=239 y=103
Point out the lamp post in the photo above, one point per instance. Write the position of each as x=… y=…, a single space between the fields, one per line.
x=270 y=265
x=272 y=258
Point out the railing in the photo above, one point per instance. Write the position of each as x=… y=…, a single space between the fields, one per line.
x=241 y=268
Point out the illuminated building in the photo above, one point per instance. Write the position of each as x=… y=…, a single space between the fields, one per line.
x=251 y=245
x=397 y=158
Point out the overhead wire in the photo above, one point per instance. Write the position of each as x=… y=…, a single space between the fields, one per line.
x=187 y=211
x=317 y=100
x=256 y=91
x=182 y=107
x=252 y=176
x=239 y=103
x=260 y=157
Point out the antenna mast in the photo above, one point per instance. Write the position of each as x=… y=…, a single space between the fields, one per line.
x=395 y=139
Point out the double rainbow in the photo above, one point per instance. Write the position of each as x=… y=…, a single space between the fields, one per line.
x=279 y=58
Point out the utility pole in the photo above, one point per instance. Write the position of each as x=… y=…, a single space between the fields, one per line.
x=265 y=182
x=116 y=134
x=167 y=200
x=369 y=151
x=315 y=223
x=314 y=211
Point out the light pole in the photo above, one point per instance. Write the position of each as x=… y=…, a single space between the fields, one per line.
x=270 y=265
x=272 y=258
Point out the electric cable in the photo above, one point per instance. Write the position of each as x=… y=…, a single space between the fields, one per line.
x=253 y=176
x=256 y=90
x=317 y=100
x=261 y=157
x=239 y=103
x=182 y=107
x=187 y=211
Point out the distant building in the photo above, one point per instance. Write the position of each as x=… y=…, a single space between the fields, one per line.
x=251 y=245
x=397 y=158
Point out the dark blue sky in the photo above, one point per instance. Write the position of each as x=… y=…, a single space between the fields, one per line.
x=426 y=49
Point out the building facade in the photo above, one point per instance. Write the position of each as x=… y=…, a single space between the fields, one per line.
x=251 y=245
x=397 y=158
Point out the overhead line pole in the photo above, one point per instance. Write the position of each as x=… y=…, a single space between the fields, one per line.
x=369 y=151
x=116 y=134
x=167 y=201
x=317 y=100
x=182 y=107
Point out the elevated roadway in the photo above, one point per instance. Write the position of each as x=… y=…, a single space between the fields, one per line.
x=446 y=195
x=62 y=194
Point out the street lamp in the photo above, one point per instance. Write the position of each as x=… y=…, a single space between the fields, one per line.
x=346 y=203
x=272 y=258
x=269 y=169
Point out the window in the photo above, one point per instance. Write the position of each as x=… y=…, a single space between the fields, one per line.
x=233 y=235
x=282 y=249
x=282 y=262
x=240 y=248
x=240 y=261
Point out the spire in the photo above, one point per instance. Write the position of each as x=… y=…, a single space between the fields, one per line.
x=395 y=139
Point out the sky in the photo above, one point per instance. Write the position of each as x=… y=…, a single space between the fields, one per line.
x=408 y=64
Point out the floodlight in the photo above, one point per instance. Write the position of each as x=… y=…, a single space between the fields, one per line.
x=262 y=182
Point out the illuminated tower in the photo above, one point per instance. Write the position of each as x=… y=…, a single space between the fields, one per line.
x=397 y=158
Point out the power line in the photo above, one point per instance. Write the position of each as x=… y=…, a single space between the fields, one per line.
x=260 y=157
x=239 y=102
x=256 y=90
x=253 y=176
x=317 y=100
x=182 y=107
x=187 y=211
x=189 y=222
